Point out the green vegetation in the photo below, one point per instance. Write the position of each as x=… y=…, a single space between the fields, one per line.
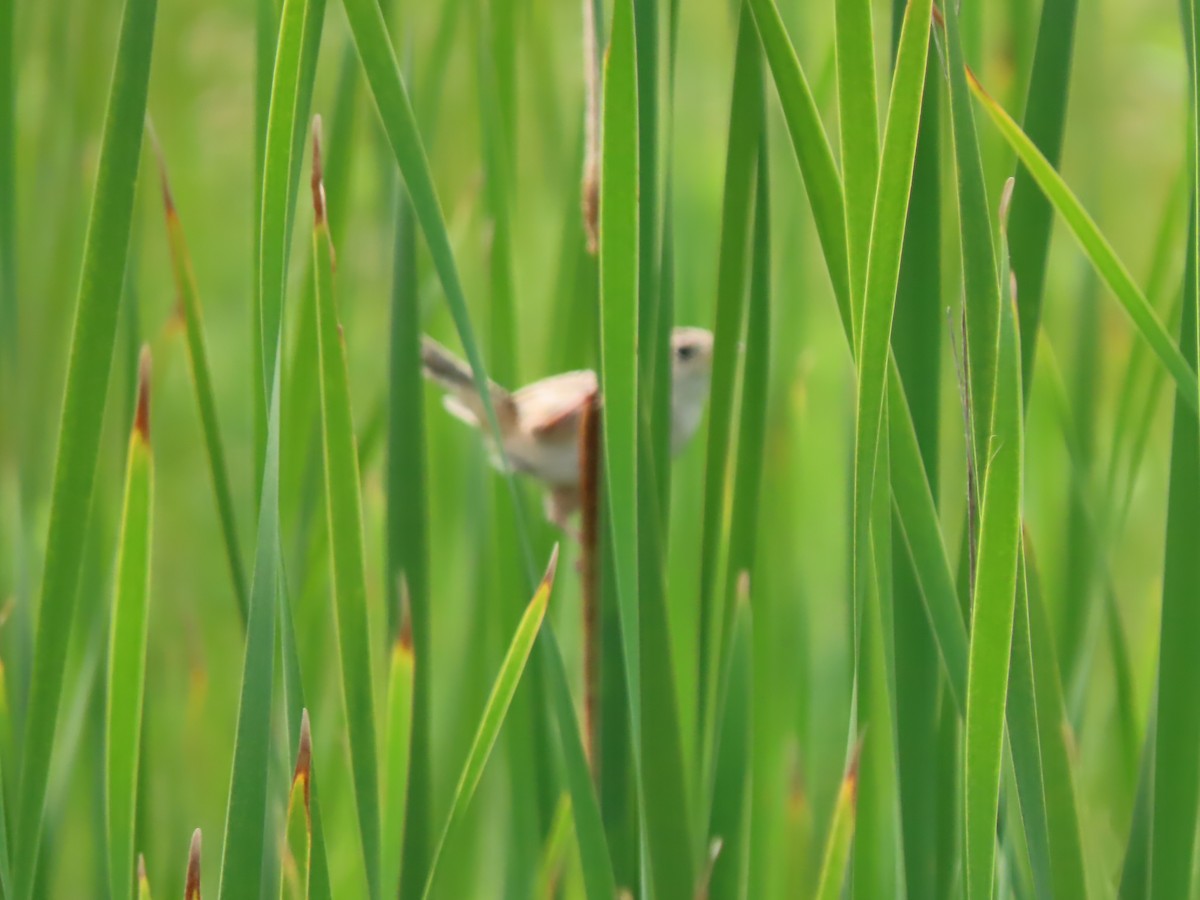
x=914 y=614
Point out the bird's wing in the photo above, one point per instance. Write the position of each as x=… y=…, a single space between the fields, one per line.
x=551 y=408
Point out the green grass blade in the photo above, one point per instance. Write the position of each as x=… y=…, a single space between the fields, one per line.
x=812 y=149
x=1097 y=249
x=245 y=821
x=189 y=303
x=883 y=271
x=407 y=541
x=127 y=646
x=1176 y=777
x=8 y=232
x=858 y=118
x=841 y=836
x=981 y=283
x=731 y=790
x=1067 y=859
x=494 y=712
x=745 y=127
x=82 y=414
x=994 y=602
x=1045 y=122
x=397 y=752
x=291 y=85
x=343 y=502
x=266 y=34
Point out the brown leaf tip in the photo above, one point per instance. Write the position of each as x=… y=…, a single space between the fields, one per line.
x=1006 y=201
x=743 y=586
x=318 y=182
x=141 y=419
x=405 y=638
x=141 y=867
x=164 y=181
x=551 y=569
x=192 y=888
x=304 y=756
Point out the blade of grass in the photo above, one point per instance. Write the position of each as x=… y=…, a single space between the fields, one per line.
x=242 y=856
x=1176 y=742
x=191 y=890
x=8 y=233
x=189 y=306
x=397 y=753
x=143 y=882
x=858 y=119
x=494 y=712
x=745 y=128
x=291 y=88
x=344 y=506
x=1045 y=122
x=1097 y=249
x=266 y=34
x=994 y=602
x=408 y=559
x=127 y=646
x=90 y=363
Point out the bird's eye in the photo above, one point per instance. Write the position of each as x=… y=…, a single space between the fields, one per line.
x=686 y=352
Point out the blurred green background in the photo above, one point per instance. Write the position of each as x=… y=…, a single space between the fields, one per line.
x=1123 y=155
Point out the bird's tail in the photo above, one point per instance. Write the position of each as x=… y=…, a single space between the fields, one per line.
x=462 y=399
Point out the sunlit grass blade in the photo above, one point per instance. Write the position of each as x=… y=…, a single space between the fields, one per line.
x=8 y=233
x=291 y=86
x=1045 y=122
x=745 y=128
x=994 y=602
x=1176 y=775
x=297 y=850
x=189 y=306
x=494 y=712
x=343 y=503
x=730 y=822
x=858 y=119
x=245 y=818
x=82 y=416
x=841 y=835
x=1097 y=249
x=397 y=753
x=127 y=646
x=191 y=889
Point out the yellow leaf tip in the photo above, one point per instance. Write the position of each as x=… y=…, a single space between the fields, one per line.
x=141 y=867
x=304 y=755
x=141 y=419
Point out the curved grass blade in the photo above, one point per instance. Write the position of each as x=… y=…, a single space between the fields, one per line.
x=1096 y=247
x=189 y=305
x=397 y=749
x=343 y=504
x=82 y=416
x=841 y=835
x=294 y=877
x=127 y=646
x=994 y=602
x=494 y=712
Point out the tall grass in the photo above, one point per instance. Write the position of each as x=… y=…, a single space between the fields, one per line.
x=916 y=620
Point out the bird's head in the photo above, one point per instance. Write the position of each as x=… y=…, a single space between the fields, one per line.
x=691 y=355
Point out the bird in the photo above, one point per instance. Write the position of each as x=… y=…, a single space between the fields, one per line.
x=540 y=423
